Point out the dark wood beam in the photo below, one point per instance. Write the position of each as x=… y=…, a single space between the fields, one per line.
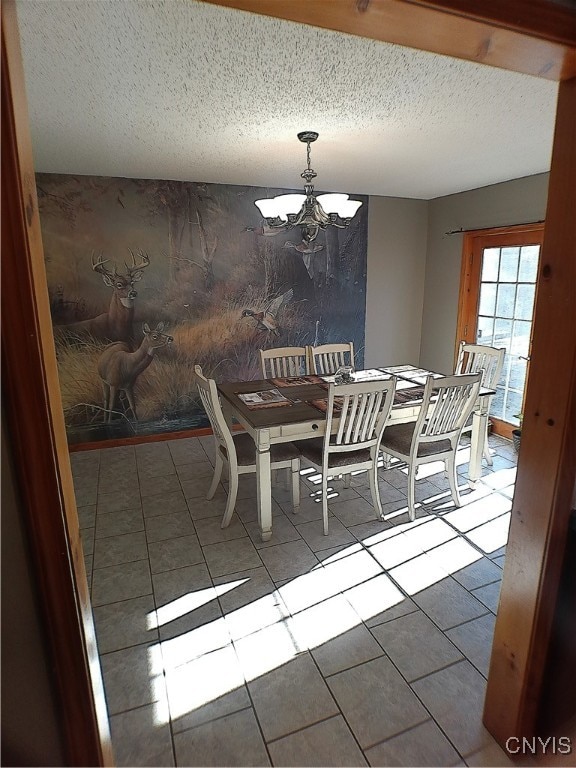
x=535 y=37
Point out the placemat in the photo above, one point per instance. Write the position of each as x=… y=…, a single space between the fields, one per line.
x=411 y=394
x=297 y=381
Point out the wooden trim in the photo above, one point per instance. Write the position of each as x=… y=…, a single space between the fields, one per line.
x=502 y=428
x=540 y=18
x=546 y=473
x=535 y=37
x=548 y=455
x=469 y=295
x=494 y=231
x=36 y=428
x=101 y=444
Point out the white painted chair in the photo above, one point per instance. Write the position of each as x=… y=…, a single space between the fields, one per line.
x=446 y=405
x=327 y=358
x=281 y=362
x=473 y=358
x=361 y=410
x=238 y=450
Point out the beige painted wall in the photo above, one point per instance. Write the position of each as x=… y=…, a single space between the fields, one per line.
x=397 y=231
x=514 y=202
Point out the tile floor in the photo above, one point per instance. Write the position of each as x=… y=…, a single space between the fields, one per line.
x=369 y=646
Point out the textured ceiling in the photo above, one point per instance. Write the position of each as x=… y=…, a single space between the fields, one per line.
x=187 y=90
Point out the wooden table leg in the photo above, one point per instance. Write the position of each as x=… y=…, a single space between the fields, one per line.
x=264 y=484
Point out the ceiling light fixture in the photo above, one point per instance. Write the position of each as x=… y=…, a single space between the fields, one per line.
x=307 y=211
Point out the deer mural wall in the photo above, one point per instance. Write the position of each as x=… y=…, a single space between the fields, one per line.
x=119 y=367
x=117 y=323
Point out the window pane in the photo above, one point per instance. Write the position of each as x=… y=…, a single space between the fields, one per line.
x=521 y=338
x=497 y=405
x=517 y=373
x=487 y=299
x=490 y=264
x=513 y=405
x=485 y=330
x=525 y=302
x=505 y=303
x=509 y=265
x=529 y=263
x=502 y=333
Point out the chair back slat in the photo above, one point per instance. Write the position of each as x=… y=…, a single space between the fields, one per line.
x=473 y=358
x=327 y=358
x=362 y=410
x=446 y=405
x=282 y=362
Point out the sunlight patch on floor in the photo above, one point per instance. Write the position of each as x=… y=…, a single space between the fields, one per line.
x=350 y=586
x=194 y=684
x=417 y=574
x=493 y=535
x=478 y=512
x=188 y=603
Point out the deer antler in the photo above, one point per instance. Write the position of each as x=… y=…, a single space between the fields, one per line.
x=144 y=261
x=98 y=265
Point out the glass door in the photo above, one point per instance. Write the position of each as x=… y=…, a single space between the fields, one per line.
x=500 y=288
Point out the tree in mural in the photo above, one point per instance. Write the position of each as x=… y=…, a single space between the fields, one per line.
x=182 y=203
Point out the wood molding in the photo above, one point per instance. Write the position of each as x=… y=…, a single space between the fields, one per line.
x=36 y=427
x=546 y=473
x=547 y=458
x=474 y=242
x=537 y=40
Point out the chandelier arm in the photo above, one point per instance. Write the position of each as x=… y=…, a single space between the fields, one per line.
x=311 y=217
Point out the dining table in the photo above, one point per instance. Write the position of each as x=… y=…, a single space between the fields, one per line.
x=279 y=410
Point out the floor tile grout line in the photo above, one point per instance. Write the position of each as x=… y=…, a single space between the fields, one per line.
x=365 y=548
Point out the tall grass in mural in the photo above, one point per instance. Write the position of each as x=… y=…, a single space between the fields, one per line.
x=124 y=252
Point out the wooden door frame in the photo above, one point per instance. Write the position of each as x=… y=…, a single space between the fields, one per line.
x=35 y=426
x=541 y=42
x=469 y=294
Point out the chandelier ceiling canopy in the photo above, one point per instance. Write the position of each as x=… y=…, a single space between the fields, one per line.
x=307 y=211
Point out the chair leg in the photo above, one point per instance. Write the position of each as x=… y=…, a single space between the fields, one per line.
x=347 y=480
x=452 y=479
x=231 y=502
x=487 y=454
x=412 y=491
x=295 y=470
x=375 y=491
x=217 y=474
x=386 y=459
x=325 y=502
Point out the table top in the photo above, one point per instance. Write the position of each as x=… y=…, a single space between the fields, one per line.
x=300 y=391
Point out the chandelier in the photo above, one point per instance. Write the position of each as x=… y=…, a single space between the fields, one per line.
x=307 y=211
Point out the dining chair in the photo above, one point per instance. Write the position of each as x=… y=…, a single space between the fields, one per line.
x=238 y=450
x=356 y=415
x=447 y=403
x=473 y=358
x=280 y=362
x=327 y=358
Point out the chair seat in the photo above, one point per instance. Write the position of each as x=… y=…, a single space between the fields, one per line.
x=313 y=450
x=398 y=437
x=246 y=450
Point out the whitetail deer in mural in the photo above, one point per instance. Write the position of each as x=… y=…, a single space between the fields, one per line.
x=119 y=367
x=116 y=323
